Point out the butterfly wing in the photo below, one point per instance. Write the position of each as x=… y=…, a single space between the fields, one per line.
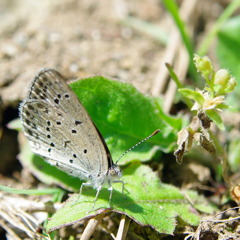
x=59 y=128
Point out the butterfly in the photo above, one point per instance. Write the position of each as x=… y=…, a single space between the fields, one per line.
x=60 y=130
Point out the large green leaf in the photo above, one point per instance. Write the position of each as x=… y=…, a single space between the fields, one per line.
x=145 y=200
x=125 y=116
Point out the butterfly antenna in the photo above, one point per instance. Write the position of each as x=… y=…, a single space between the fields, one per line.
x=145 y=139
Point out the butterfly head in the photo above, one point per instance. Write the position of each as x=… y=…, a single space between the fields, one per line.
x=114 y=172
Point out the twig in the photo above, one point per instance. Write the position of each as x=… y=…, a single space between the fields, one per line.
x=123 y=228
x=91 y=227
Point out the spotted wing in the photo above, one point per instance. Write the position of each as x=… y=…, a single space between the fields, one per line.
x=59 y=128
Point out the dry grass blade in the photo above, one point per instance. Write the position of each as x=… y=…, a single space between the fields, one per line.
x=176 y=56
x=90 y=228
x=13 y=215
x=123 y=228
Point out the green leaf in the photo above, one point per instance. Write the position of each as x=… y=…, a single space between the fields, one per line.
x=145 y=200
x=173 y=75
x=193 y=95
x=227 y=52
x=147 y=28
x=15 y=124
x=125 y=116
x=227 y=13
x=229 y=45
x=45 y=191
x=215 y=117
x=174 y=11
x=175 y=123
x=234 y=154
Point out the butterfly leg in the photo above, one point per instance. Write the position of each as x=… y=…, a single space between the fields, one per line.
x=110 y=195
x=81 y=188
x=122 y=182
x=84 y=184
x=111 y=189
x=96 y=197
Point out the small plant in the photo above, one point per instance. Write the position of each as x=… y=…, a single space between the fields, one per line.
x=207 y=104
